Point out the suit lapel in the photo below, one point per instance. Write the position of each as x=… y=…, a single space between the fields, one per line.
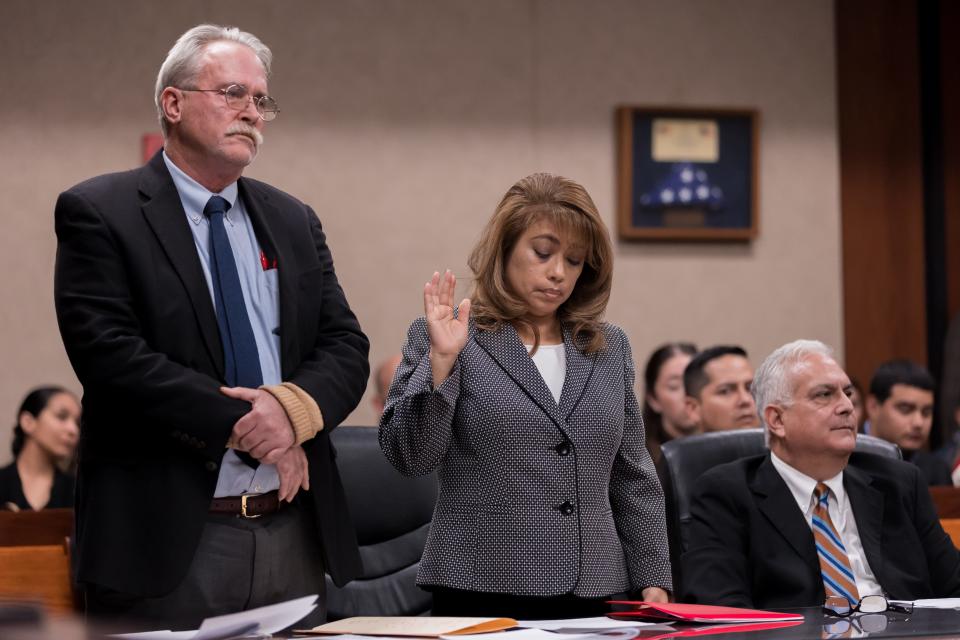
x=579 y=370
x=506 y=349
x=275 y=245
x=164 y=213
x=779 y=507
x=867 y=504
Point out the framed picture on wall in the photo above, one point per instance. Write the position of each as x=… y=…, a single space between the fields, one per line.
x=687 y=174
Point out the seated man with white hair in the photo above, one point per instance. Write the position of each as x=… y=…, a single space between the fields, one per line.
x=812 y=519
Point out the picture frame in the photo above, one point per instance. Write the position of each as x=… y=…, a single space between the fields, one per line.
x=687 y=174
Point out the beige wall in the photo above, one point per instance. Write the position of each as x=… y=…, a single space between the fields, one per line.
x=404 y=122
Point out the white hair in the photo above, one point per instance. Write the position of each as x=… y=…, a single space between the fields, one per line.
x=773 y=381
x=182 y=63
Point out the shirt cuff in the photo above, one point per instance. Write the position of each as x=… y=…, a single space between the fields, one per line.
x=302 y=410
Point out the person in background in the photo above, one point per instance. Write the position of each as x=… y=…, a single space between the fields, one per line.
x=665 y=414
x=949 y=396
x=955 y=464
x=717 y=385
x=900 y=406
x=523 y=400
x=383 y=376
x=859 y=409
x=44 y=438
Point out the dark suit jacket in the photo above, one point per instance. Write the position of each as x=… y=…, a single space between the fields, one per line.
x=935 y=471
x=536 y=498
x=140 y=329
x=751 y=547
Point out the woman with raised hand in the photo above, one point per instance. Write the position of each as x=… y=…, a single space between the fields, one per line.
x=44 y=438
x=522 y=399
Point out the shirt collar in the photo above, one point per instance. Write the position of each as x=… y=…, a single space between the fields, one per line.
x=194 y=195
x=801 y=485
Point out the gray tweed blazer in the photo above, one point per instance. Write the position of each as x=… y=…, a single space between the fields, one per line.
x=535 y=498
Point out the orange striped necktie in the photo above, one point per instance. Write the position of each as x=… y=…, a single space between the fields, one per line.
x=835 y=568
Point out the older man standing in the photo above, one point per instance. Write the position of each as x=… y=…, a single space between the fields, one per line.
x=811 y=518
x=202 y=314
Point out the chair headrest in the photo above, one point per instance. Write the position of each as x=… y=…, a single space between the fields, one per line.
x=685 y=459
x=384 y=504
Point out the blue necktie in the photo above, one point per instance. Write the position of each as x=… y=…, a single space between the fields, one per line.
x=240 y=355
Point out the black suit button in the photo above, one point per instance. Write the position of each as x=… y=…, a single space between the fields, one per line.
x=566 y=508
x=563 y=449
x=211 y=465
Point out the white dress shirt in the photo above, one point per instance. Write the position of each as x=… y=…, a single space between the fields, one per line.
x=841 y=514
x=261 y=295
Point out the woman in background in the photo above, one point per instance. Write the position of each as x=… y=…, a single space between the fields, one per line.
x=665 y=415
x=523 y=401
x=45 y=436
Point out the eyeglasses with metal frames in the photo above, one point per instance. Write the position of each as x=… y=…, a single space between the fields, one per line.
x=238 y=96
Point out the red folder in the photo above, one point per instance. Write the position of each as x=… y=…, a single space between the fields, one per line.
x=697 y=613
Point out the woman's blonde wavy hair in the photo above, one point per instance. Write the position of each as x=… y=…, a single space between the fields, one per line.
x=568 y=206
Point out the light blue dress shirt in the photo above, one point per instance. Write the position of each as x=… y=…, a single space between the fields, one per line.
x=260 y=293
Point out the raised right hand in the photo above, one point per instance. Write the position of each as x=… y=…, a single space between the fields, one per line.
x=448 y=334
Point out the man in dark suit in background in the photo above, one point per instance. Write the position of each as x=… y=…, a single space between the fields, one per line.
x=202 y=314
x=809 y=520
x=900 y=408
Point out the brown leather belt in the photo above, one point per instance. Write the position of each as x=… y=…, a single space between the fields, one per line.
x=252 y=505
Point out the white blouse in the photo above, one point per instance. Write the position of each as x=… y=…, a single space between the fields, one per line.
x=551 y=361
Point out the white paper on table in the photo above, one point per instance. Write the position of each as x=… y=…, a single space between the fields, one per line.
x=353 y=636
x=263 y=620
x=166 y=634
x=581 y=625
x=543 y=634
x=935 y=603
x=219 y=633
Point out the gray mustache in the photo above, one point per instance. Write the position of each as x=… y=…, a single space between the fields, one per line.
x=246 y=130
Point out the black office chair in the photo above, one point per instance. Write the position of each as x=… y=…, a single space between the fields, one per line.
x=685 y=459
x=391 y=514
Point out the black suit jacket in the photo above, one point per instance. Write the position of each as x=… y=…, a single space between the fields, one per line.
x=750 y=545
x=932 y=467
x=140 y=329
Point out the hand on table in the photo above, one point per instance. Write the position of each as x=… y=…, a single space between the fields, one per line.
x=655 y=594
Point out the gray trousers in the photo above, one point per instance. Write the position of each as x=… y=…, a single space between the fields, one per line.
x=239 y=564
